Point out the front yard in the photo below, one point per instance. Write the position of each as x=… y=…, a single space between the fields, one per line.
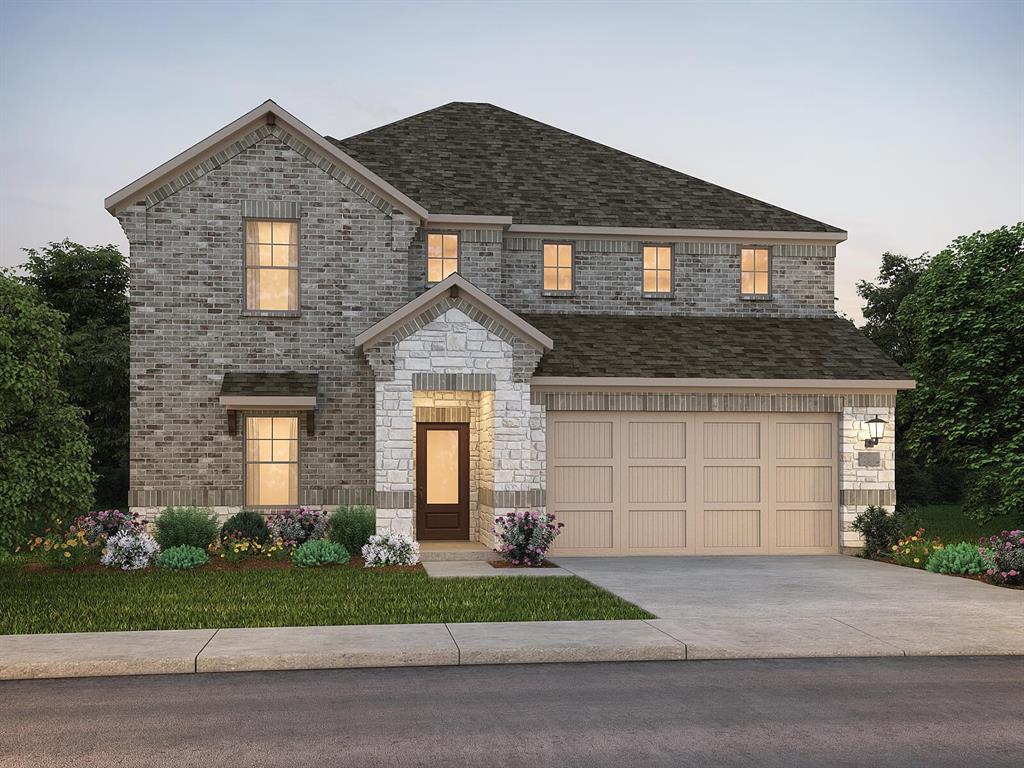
x=112 y=600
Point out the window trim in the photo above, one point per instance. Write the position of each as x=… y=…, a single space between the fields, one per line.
x=245 y=460
x=554 y=292
x=670 y=293
x=426 y=253
x=771 y=282
x=246 y=312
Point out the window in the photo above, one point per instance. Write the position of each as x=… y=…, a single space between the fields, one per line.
x=754 y=271
x=272 y=265
x=657 y=269
x=442 y=256
x=558 y=266
x=272 y=461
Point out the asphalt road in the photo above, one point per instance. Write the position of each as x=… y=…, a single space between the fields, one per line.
x=831 y=712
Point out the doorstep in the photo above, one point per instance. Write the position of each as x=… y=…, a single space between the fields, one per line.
x=457 y=551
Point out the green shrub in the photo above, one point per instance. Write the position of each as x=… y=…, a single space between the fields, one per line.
x=958 y=558
x=319 y=552
x=185 y=526
x=182 y=558
x=352 y=527
x=881 y=530
x=246 y=525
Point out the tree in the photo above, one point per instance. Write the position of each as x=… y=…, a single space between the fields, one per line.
x=898 y=276
x=44 y=446
x=966 y=316
x=90 y=286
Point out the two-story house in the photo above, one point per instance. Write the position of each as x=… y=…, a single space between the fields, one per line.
x=467 y=312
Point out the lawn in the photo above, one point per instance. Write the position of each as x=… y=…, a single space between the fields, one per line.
x=108 y=601
x=948 y=522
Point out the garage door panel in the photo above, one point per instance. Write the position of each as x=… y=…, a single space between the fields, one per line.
x=585 y=529
x=732 y=484
x=656 y=528
x=732 y=440
x=804 y=528
x=732 y=528
x=804 y=441
x=583 y=439
x=803 y=484
x=584 y=485
x=657 y=484
x=657 y=440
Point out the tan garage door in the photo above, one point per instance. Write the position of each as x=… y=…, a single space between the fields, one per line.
x=693 y=483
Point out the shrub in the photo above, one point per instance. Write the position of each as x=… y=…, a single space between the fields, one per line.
x=246 y=525
x=391 y=549
x=914 y=549
x=963 y=557
x=353 y=526
x=130 y=551
x=296 y=526
x=185 y=526
x=62 y=549
x=236 y=548
x=523 y=538
x=181 y=558
x=1007 y=552
x=881 y=530
x=105 y=523
x=319 y=552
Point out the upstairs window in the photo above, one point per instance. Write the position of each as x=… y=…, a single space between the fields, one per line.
x=272 y=461
x=754 y=271
x=558 y=267
x=272 y=265
x=657 y=269
x=442 y=256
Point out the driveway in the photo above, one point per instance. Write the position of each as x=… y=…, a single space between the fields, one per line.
x=812 y=606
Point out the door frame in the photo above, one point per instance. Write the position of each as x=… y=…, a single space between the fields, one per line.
x=462 y=507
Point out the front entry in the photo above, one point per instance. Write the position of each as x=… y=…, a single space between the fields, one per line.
x=442 y=482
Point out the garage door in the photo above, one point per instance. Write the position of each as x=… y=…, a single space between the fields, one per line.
x=693 y=483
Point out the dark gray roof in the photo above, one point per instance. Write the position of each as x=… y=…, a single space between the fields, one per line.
x=710 y=348
x=290 y=384
x=479 y=159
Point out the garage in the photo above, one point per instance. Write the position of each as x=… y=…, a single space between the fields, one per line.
x=643 y=483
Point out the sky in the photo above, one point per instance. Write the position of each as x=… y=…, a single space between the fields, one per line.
x=902 y=123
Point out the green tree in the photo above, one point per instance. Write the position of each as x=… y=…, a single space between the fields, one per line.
x=966 y=316
x=90 y=286
x=44 y=447
x=918 y=481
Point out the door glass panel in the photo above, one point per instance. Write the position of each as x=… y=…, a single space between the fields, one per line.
x=442 y=466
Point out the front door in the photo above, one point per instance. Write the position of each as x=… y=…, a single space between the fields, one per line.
x=442 y=481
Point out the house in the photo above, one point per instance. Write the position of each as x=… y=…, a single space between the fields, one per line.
x=467 y=312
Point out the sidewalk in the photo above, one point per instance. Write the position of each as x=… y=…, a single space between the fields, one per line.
x=393 y=645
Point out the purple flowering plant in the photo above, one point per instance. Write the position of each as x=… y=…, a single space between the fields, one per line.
x=299 y=525
x=101 y=525
x=523 y=538
x=1006 y=552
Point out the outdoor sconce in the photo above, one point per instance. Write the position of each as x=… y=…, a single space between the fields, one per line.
x=876 y=431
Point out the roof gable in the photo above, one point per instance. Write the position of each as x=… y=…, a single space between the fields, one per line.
x=479 y=159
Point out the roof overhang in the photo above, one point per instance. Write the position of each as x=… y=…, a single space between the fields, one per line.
x=241 y=390
x=267 y=112
x=457 y=285
x=607 y=382
x=743 y=235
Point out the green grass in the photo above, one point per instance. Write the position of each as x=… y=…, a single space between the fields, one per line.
x=108 y=601
x=948 y=522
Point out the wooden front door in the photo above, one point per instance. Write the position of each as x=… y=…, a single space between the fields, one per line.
x=442 y=481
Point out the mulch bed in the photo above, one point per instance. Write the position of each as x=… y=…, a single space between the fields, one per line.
x=973 y=577
x=223 y=564
x=507 y=564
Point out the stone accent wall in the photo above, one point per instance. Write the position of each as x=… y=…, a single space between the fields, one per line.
x=867 y=476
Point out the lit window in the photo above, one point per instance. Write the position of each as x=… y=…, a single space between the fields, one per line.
x=272 y=265
x=558 y=266
x=657 y=269
x=442 y=256
x=272 y=461
x=754 y=271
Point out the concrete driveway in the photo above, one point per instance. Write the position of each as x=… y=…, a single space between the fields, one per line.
x=811 y=606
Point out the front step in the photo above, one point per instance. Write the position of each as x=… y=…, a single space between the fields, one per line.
x=455 y=551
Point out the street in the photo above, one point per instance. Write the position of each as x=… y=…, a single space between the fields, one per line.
x=828 y=712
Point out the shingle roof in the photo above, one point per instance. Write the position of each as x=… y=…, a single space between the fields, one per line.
x=479 y=159
x=710 y=348
x=289 y=384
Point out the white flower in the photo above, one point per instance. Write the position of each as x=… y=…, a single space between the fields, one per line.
x=130 y=551
x=391 y=549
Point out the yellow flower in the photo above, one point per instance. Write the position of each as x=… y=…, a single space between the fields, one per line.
x=67 y=554
x=913 y=538
x=917 y=559
x=894 y=547
x=38 y=540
